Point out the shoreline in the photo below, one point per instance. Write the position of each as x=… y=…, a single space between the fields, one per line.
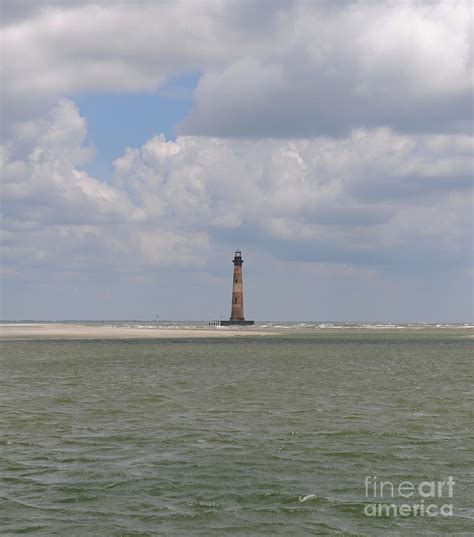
x=26 y=331
x=30 y=331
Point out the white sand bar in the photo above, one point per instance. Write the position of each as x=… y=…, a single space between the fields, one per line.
x=80 y=331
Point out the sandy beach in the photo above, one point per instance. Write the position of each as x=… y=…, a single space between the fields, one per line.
x=79 y=331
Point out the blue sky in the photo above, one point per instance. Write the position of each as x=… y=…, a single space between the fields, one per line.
x=144 y=142
x=118 y=120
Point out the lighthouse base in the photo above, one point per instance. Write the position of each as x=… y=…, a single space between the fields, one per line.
x=231 y=323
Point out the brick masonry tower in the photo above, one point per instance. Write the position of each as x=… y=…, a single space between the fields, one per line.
x=237 y=308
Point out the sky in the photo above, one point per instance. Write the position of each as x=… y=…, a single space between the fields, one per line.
x=144 y=142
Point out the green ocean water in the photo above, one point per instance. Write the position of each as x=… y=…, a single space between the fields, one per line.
x=245 y=436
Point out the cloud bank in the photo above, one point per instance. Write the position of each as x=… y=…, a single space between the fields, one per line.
x=336 y=136
x=268 y=69
x=370 y=199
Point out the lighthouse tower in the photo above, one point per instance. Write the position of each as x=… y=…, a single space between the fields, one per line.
x=237 y=307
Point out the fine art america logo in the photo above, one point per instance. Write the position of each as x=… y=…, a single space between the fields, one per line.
x=426 y=498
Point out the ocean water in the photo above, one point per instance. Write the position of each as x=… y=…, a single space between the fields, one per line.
x=241 y=436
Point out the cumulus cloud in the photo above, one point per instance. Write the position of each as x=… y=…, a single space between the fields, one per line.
x=325 y=200
x=49 y=186
x=324 y=134
x=274 y=69
x=403 y=64
x=55 y=216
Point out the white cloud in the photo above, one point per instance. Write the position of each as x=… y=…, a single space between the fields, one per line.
x=56 y=216
x=376 y=199
x=201 y=179
x=370 y=199
x=49 y=186
x=402 y=64
x=328 y=134
x=336 y=66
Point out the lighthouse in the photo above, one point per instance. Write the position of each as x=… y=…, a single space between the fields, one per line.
x=237 y=308
x=237 y=305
